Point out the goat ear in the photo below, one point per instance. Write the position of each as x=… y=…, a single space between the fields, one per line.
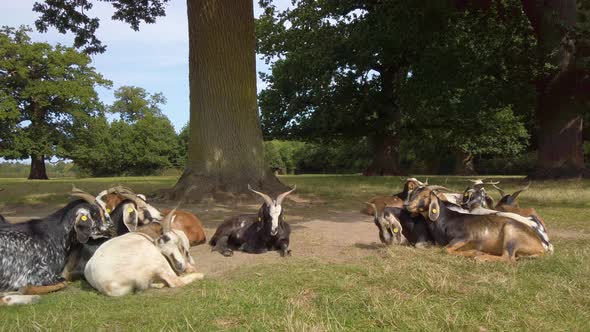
x=490 y=202
x=433 y=208
x=130 y=217
x=83 y=227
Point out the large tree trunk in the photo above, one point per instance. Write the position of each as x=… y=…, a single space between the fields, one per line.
x=38 y=171
x=558 y=113
x=225 y=143
x=385 y=156
x=386 y=141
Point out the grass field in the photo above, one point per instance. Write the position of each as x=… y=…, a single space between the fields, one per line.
x=392 y=288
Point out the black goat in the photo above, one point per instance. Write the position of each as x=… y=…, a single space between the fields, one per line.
x=255 y=233
x=34 y=253
x=124 y=218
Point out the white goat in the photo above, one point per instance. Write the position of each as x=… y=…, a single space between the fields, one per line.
x=137 y=261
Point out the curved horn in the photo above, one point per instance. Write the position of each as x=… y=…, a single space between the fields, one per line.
x=516 y=193
x=283 y=195
x=374 y=208
x=435 y=187
x=502 y=193
x=133 y=197
x=167 y=222
x=492 y=182
x=475 y=181
x=267 y=198
x=82 y=194
x=425 y=182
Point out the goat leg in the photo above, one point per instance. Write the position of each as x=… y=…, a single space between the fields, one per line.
x=284 y=248
x=222 y=247
x=39 y=290
x=252 y=248
x=174 y=281
x=457 y=248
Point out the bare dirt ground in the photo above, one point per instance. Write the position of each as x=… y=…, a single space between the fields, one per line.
x=317 y=233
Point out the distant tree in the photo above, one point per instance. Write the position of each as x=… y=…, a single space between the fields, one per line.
x=394 y=71
x=133 y=103
x=470 y=92
x=338 y=66
x=225 y=146
x=141 y=142
x=43 y=90
x=183 y=138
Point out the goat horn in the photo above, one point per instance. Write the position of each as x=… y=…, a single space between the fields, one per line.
x=283 y=195
x=82 y=194
x=133 y=197
x=267 y=198
x=435 y=187
x=167 y=222
x=476 y=181
x=425 y=182
x=515 y=195
x=374 y=208
x=492 y=182
x=502 y=193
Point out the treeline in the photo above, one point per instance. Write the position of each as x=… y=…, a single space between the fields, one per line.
x=439 y=86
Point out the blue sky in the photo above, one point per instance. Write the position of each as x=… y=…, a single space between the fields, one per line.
x=154 y=58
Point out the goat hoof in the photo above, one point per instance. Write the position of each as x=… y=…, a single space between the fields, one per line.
x=286 y=253
x=227 y=253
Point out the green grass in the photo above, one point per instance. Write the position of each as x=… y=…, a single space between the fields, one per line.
x=398 y=288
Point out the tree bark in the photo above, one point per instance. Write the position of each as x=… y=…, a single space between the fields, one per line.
x=225 y=143
x=558 y=113
x=386 y=141
x=385 y=157
x=38 y=171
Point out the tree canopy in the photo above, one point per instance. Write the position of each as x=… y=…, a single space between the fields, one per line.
x=141 y=142
x=444 y=76
x=44 y=89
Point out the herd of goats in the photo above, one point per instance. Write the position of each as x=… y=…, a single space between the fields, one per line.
x=119 y=243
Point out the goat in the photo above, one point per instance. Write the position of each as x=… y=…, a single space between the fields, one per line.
x=378 y=203
x=34 y=253
x=146 y=213
x=397 y=226
x=136 y=261
x=475 y=196
x=127 y=217
x=255 y=233
x=509 y=203
x=497 y=236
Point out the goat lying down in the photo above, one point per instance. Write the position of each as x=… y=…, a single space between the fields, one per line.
x=398 y=226
x=33 y=254
x=255 y=233
x=139 y=260
x=488 y=235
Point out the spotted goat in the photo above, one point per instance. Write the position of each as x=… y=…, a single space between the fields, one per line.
x=33 y=253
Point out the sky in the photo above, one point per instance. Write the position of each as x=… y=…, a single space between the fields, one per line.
x=154 y=58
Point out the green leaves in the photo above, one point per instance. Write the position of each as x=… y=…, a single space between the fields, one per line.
x=142 y=142
x=44 y=89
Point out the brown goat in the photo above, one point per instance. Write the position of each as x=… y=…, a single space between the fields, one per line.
x=509 y=203
x=190 y=225
x=397 y=200
x=493 y=237
x=184 y=220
